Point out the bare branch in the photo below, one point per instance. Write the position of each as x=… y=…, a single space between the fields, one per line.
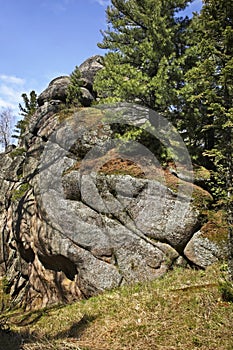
x=6 y=124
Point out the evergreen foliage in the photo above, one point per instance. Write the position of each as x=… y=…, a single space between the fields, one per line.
x=179 y=67
x=29 y=108
x=145 y=39
x=183 y=69
x=30 y=104
x=74 y=88
x=208 y=96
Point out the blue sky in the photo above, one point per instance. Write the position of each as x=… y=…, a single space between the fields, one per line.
x=43 y=39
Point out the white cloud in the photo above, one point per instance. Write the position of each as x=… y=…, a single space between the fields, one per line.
x=11 y=89
x=12 y=79
x=5 y=104
x=103 y=2
x=9 y=98
x=10 y=92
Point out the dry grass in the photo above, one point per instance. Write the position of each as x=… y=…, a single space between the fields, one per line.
x=182 y=310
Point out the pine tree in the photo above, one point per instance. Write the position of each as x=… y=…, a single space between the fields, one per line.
x=74 y=91
x=30 y=104
x=208 y=95
x=145 y=40
x=206 y=99
x=29 y=108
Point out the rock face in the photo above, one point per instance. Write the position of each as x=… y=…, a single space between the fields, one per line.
x=82 y=211
x=56 y=92
x=210 y=243
x=89 y=68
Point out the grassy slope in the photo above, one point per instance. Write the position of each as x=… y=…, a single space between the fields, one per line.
x=182 y=310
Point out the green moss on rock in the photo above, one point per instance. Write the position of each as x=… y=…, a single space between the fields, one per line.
x=18 y=193
x=20 y=151
x=216 y=229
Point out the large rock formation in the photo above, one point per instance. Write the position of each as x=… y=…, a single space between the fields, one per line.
x=82 y=210
x=56 y=92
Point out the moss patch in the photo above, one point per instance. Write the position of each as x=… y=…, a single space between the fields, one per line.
x=20 y=151
x=64 y=114
x=122 y=167
x=216 y=229
x=201 y=198
x=74 y=167
x=201 y=173
x=18 y=193
x=84 y=116
x=112 y=163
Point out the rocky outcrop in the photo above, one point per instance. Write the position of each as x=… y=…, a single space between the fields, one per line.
x=82 y=210
x=88 y=70
x=56 y=92
x=210 y=243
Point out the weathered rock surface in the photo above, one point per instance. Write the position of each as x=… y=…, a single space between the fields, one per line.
x=89 y=68
x=210 y=244
x=80 y=214
x=56 y=92
x=202 y=251
x=86 y=97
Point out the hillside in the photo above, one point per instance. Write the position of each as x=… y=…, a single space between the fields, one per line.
x=182 y=310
